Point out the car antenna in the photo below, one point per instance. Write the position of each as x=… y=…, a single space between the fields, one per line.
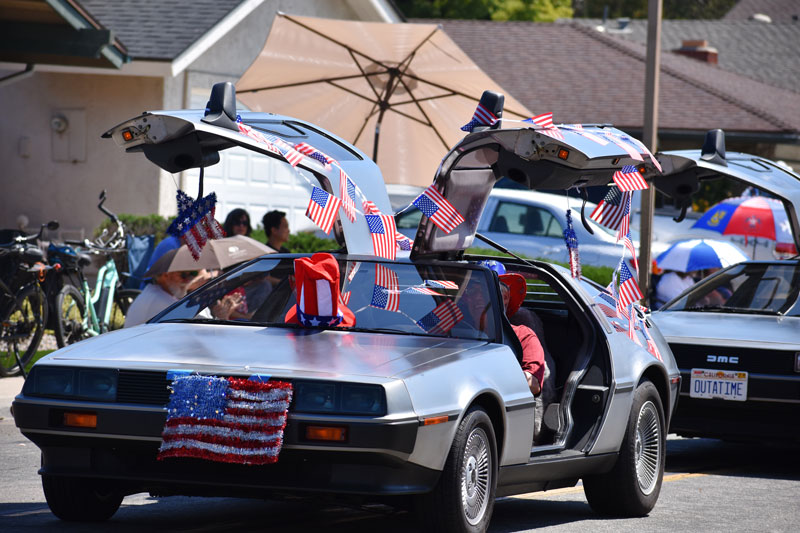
x=502 y=248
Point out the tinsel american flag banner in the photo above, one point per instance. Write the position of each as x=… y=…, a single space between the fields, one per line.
x=225 y=420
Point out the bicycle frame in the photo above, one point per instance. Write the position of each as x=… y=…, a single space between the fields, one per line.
x=102 y=297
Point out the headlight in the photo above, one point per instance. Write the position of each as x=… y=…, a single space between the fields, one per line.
x=92 y=384
x=338 y=398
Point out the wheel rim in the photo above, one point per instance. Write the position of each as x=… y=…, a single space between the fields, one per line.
x=648 y=447
x=72 y=320
x=476 y=476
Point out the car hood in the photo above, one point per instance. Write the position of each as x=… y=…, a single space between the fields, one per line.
x=720 y=329
x=260 y=350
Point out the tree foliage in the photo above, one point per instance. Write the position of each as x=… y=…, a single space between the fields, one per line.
x=637 y=9
x=530 y=10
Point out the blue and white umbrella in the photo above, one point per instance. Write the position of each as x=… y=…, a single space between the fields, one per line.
x=699 y=254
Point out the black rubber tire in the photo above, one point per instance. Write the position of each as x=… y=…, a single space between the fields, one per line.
x=81 y=500
x=641 y=459
x=119 y=309
x=26 y=319
x=443 y=509
x=71 y=310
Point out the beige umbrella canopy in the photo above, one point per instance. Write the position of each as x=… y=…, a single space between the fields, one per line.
x=399 y=92
x=217 y=254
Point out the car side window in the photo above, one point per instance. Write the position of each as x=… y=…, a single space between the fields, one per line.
x=409 y=219
x=520 y=219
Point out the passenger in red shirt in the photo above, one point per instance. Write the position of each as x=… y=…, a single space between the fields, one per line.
x=532 y=351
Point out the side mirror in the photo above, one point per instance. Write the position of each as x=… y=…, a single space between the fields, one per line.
x=494 y=102
x=221 y=106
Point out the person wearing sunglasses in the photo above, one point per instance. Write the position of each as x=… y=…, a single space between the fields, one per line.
x=237 y=223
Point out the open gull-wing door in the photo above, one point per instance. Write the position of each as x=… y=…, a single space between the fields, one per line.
x=576 y=156
x=188 y=139
x=683 y=170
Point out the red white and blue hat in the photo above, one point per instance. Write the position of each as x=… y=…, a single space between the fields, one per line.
x=318 y=299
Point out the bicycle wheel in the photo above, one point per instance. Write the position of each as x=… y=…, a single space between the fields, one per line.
x=21 y=329
x=122 y=301
x=71 y=310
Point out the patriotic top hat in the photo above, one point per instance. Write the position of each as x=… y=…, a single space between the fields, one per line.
x=318 y=299
x=518 y=289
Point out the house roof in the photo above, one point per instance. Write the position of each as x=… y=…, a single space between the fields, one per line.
x=583 y=75
x=761 y=51
x=160 y=30
x=777 y=10
x=57 y=32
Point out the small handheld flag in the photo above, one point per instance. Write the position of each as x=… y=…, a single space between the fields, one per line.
x=322 y=208
x=438 y=209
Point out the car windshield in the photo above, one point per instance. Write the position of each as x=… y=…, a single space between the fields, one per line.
x=385 y=297
x=746 y=288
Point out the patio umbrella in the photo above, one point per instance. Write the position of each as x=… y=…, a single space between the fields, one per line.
x=399 y=92
x=751 y=216
x=699 y=254
x=216 y=254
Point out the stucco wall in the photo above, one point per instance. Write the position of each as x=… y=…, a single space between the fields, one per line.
x=34 y=183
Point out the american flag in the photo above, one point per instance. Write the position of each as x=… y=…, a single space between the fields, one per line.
x=632 y=329
x=322 y=208
x=403 y=242
x=370 y=208
x=628 y=287
x=423 y=290
x=545 y=120
x=347 y=192
x=386 y=292
x=442 y=319
x=310 y=151
x=607 y=304
x=482 y=116
x=608 y=212
x=438 y=209
x=622 y=311
x=651 y=345
x=345 y=296
x=628 y=178
x=643 y=149
x=625 y=223
x=383 y=231
x=225 y=420
x=441 y=283
x=628 y=242
x=258 y=137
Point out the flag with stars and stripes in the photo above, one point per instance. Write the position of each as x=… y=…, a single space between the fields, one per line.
x=383 y=230
x=628 y=242
x=442 y=319
x=625 y=222
x=651 y=345
x=628 y=178
x=546 y=126
x=322 y=208
x=386 y=292
x=481 y=117
x=423 y=290
x=629 y=291
x=441 y=283
x=403 y=242
x=370 y=208
x=347 y=192
x=438 y=209
x=607 y=304
x=609 y=211
x=310 y=151
x=225 y=420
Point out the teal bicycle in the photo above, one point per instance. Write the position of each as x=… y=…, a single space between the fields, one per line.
x=108 y=302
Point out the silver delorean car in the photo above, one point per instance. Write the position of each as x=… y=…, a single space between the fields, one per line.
x=421 y=400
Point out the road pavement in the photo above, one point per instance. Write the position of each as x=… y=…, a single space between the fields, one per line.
x=709 y=486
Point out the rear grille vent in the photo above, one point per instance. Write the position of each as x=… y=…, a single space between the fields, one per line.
x=142 y=387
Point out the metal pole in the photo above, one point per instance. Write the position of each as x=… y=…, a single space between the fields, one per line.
x=650 y=130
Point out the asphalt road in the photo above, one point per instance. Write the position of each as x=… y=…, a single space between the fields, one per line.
x=709 y=486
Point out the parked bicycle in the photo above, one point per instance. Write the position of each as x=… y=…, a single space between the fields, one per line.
x=23 y=307
x=108 y=300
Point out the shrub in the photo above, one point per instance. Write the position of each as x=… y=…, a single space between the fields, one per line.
x=139 y=225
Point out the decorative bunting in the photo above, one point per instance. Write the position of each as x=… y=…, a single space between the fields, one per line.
x=481 y=117
x=345 y=297
x=571 y=239
x=386 y=292
x=607 y=304
x=347 y=192
x=628 y=242
x=624 y=225
x=370 y=208
x=628 y=178
x=383 y=230
x=322 y=208
x=423 y=290
x=651 y=345
x=545 y=120
x=225 y=420
x=634 y=154
x=403 y=242
x=195 y=223
x=438 y=209
x=310 y=151
x=441 y=284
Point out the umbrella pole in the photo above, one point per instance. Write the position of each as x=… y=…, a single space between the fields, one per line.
x=378 y=132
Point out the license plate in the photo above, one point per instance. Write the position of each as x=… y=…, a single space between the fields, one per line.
x=718 y=384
